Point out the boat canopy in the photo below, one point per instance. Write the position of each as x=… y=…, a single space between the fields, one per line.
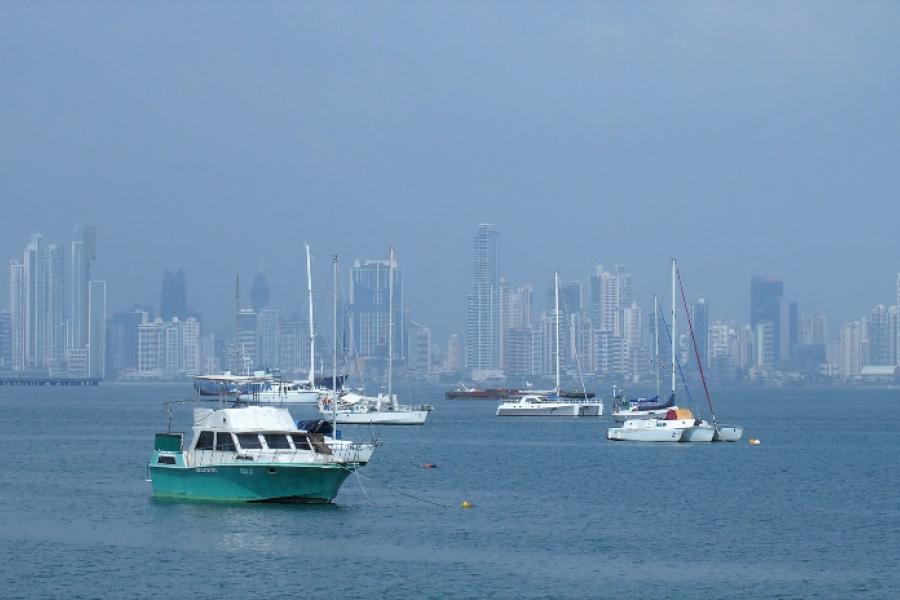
x=678 y=414
x=654 y=404
x=247 y=418
x=315 y=426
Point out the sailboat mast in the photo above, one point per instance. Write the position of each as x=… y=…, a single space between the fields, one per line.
x=334 y=394
x=391 y=328
x=556 y=295
x=673 y=326
x=312 y=327
x=656 y=345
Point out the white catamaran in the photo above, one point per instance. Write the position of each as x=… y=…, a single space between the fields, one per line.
x=551 y=403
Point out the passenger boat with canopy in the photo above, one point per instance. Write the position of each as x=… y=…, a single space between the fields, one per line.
x=251 y=454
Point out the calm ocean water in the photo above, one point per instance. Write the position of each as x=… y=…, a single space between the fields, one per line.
x=559 y=511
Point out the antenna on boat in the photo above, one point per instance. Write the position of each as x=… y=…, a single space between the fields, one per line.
x=334 y=349
x=312 y=326
x=391 y=330
x=656 y=335
x=556 y=296
x=673 y=326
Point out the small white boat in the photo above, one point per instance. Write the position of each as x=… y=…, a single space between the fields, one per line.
x=380 y=410
x=538 y=406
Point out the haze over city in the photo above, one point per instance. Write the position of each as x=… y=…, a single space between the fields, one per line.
x=746 y=142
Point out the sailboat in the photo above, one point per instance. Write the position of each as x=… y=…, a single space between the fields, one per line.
x=352 y=409
x=644 y=408
x=678 y=424
x=551 y=403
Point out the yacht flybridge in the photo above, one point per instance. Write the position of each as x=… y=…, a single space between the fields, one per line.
x=252 y=454
x=552 y=403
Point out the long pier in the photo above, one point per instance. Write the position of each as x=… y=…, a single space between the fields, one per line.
x=66 y=381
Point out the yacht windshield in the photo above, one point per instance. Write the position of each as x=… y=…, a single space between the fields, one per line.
x=249 y=441
x=205 y=441
x=301 y=442
x=224 y=442
x=277 y=441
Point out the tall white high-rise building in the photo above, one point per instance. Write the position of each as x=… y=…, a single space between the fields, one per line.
x=483 y=322
x=17 y=299
x=96 y=342
x=37 y=304
x=56 y=274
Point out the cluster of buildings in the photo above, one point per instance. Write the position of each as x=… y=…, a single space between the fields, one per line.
x=606 y=334
x=56 y=317
x=57 y=325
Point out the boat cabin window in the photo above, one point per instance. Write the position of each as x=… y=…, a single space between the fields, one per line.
x=249 y=441
x=224 y=442
x=277 y=441
x=166 y=460
x=205 y=441
x=301 y=442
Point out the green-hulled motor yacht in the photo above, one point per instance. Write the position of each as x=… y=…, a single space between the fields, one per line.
x=251 y=454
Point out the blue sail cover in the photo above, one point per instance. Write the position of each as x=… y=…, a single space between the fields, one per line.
x=653 y=403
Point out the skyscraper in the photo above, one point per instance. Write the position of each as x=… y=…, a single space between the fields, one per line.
x=96 y=343
x=369 y=302
x=268 y=319
x=173 y=301
x=259 y=292
x=56 y=264
x=5 y=340
x=18 y=324
x=483 y=323
x=701 y=330
x=84 y=253
x=765 y=307
x=37 y=303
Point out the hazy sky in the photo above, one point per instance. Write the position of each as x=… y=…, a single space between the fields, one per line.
x=744 y=138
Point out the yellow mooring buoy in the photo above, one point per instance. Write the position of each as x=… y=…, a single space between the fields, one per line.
x=467 y=504
x=754 y=442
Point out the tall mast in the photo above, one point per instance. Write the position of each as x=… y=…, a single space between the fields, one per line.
x=656 y=345
x=391 y=329
x=673 y=326
x=334 y=394
x=556 y=296
x=312 y=326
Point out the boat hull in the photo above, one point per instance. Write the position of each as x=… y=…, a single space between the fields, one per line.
x=728 y=434
x=381 y=417
x=315 y=484
x=698 y=433
x=647 y=434
x=556 y=410
x=591 y=409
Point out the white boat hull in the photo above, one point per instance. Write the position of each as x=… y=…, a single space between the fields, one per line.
x=698 y=433
x=347 y=451
x=644 y=434
x=591 y=409
x=728 y=434
x=538 y=410
x=379 y=417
